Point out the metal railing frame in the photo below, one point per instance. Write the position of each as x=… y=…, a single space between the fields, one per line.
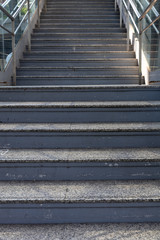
x=139 y=28
x=13 y=32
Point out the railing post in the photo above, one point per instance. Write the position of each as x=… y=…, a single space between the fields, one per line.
x=29 y=21
x=45 y=6
x=140 y=52
x=13 y=53
x=38 y=13
x=128 y=25
x=115 y=5
x=120 y=13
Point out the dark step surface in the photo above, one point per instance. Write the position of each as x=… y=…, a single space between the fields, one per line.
x=79 y=93
x=77 y=71
x=78 y=136
x=84 y=80
x=79 y=165
x=79 y=112
x=78 y=48
x=77 y=63
x=45 y=55
x=109 y=201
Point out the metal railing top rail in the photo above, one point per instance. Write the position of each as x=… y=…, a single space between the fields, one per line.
x=6 y=13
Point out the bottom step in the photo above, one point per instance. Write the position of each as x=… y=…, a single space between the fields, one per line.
x=112 y=231
x=80 y=202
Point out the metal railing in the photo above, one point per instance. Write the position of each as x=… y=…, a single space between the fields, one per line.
x=14 y=29
x=127 y=4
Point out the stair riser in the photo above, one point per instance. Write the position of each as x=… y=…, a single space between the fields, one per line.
x=66 y=41
x=79 y=115
x=28 y=81
x=32 y=63
x=88 y=11
x=82 y=56
x=78 y=140
x=78 y=25
x=74 y=48
x=79 y=21
x=75 y=72
x=79 y=35
x=79 y=30
x=81 y=171
x=31 y=213
x=79 y=94
x=79 y=16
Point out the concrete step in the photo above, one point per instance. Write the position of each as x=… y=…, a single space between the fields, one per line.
x=107 y=201
x=78 y=136
x=79 y=21
x=56 y=30
x=78 y=25
x=68 y=41
x=77 y=71
x=102 y=35
x=79 y=93
x=27 y=62
x=81 y=10
x=107 y=47
x=80 y=80
x=92 y=17
x=79 y=112
x=46 y=55
x=81 y=231
x=79 y=165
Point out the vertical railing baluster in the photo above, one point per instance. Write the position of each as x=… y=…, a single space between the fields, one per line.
x=120 y=13
x=38 y=13
x=128 y=5
x=14 y=52
x=29 y=32
x=140 y=52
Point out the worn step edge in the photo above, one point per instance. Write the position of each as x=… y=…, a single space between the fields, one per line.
x=105 y=87
x=80 y=77
x=85 y=127
x=81 y=104
x=84 y=192
x=64 y=155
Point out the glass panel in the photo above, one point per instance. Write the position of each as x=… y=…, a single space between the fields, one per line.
x=21 y=22
x=5 y=41
x=150 y=41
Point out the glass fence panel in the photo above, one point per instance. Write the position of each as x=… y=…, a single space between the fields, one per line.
x=5 y=41
x=21 y=22
x=33 y=8
x=5 y=48
x=150 y=40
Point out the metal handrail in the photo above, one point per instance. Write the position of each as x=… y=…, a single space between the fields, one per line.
x=12 y=17
x=6 y=13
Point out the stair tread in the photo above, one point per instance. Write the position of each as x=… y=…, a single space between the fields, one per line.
x=83 y=155
x=82 y=127
x=80 y=192
x=120 y=231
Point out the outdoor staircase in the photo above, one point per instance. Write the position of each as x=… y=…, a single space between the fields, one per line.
x=78 y=43
x=79 y=137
